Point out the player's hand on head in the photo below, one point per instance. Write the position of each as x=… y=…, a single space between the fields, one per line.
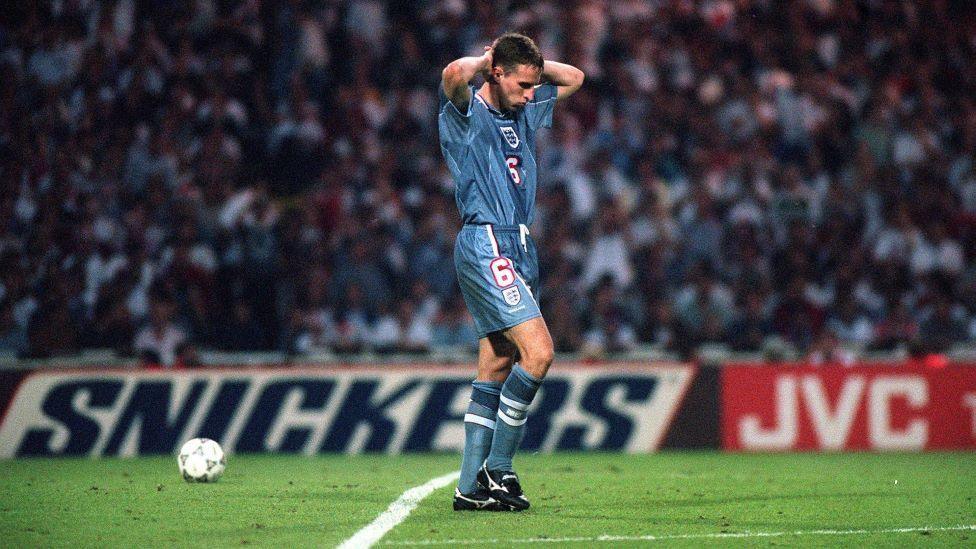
x=487 y=57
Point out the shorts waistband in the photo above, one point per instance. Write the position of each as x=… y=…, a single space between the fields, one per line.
x=517 y=229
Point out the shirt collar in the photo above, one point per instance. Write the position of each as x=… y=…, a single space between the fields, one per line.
x=491 y=109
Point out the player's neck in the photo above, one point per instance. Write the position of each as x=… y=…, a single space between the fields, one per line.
x=487 y=92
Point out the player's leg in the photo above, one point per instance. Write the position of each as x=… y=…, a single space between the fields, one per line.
x=534 y=344
x=495 y=356
x=498 y=299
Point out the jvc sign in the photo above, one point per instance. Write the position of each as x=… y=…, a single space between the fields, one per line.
x=391 y=410
x=866 y=408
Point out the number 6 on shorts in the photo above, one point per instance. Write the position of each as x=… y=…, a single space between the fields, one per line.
x=501 y=269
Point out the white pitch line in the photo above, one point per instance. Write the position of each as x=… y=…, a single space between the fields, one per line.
x=397 y=512
x=666 y=537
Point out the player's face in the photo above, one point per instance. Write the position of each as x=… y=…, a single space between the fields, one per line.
x=517 y=86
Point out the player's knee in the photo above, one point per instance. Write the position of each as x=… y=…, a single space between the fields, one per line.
x=539 y=357
x=501 y=367
x=495 y=369
x=547 y=354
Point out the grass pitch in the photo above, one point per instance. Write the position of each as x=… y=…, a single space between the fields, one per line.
x=684 y=498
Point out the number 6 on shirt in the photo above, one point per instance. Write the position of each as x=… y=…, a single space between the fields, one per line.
x=501 y=269
x=513 y=163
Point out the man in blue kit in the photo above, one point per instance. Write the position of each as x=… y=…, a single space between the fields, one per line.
x=487 y=136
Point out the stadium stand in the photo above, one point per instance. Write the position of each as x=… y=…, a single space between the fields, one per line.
x=184 y=178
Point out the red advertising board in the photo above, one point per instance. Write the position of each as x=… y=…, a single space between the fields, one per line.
x=884 y=408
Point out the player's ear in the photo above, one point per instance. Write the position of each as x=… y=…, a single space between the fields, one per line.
x=496 y=73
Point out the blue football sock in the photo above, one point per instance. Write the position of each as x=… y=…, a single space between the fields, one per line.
x=517 y=393
x=479 y=426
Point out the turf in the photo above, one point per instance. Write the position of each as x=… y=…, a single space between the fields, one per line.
x=291 y=501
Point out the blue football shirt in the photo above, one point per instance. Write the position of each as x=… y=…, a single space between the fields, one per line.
x=491 y=156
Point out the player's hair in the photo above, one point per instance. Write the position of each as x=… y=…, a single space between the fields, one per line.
x=512 y=49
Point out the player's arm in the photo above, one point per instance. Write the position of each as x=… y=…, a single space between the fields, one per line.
x=457 y=74
x=566 y=78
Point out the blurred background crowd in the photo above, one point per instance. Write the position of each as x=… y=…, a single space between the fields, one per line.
x=257 y=175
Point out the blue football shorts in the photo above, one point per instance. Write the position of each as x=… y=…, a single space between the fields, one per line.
x=498 y=271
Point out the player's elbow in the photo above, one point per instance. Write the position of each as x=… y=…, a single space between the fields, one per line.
x=451 y=76
x=577 y=78
x=572 y=83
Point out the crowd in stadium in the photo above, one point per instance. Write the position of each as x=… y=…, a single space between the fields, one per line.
x=266 y=175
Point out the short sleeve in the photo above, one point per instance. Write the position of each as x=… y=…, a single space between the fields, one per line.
x=452 y=122
x=538 y=112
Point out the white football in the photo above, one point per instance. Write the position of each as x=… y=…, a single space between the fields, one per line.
x=201 y=460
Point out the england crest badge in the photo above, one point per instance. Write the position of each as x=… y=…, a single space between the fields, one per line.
x=510 y=136
x=512 y=295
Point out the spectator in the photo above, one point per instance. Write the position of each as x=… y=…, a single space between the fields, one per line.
x=609 y=331
x=415 y=328
x=385 y=335
x=753 y=326
x=454 y=328
x=849 y=325
x=241 y=331
x=795 y=318
x=942 y=328
x=563 y=324
x=159 y=340
x=897 y=327
x=352 y=322
x=361 y=270
x=703 y=307
x=13 y=339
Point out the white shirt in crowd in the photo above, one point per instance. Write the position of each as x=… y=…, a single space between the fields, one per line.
x=164 y=343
